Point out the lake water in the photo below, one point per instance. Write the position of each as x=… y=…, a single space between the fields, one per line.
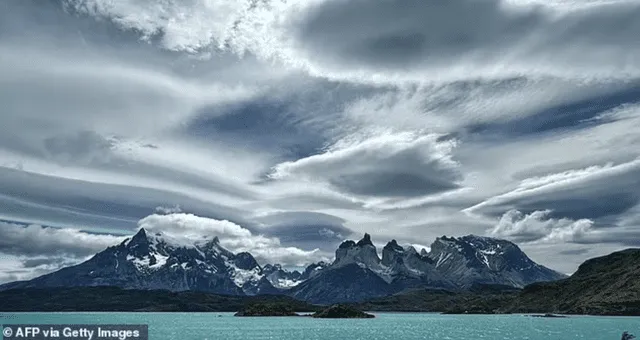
x=396 y=326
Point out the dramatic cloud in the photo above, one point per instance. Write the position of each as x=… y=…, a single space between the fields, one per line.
x=284 y=127
x=191 y=228
x=305 y=229
x=181 y=25
x=35 y=240
x=391 y=40
x=592 y=192
x=539 y=227
x=479 y=38
x=404 y=165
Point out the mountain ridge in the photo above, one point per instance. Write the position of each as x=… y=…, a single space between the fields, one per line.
x=606 y=285
x=151 y=260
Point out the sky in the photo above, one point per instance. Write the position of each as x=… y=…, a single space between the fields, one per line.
x=286 y=127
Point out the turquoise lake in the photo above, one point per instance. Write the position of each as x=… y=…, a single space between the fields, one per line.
x=386 y=326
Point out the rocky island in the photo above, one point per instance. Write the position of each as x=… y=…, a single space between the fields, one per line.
x=342 y=312
x=279 y=309
x=547 y=315
x=267 y=310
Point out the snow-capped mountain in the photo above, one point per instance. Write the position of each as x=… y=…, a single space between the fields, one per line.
x=157 y=261
x=475 y=259
x=281 y=278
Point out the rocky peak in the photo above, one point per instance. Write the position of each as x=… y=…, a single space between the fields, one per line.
x=366 y=240
x=478 y=259
x=393 y=245
x=139 y=238
x=347 y=244
x=363 y=252
x=139 y=245
x=392 y=253
x=411 y=250
x=214 y=249
x=270 y=268
x=245 y=261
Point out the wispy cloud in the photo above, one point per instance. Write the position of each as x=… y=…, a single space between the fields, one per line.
x=305 y=122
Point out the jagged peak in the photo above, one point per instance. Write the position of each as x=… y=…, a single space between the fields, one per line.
x=393 y=245
x=274 y=267
x=444 y=239
x=246 y=261
x=347 y=244
x=366 y=240
x=138 y=238
x=411 y=250
x=213 y=245
x=472 y=237
x=141 y=233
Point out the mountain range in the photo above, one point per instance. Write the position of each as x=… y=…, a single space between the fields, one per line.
x=158 y=261
x=605 y=285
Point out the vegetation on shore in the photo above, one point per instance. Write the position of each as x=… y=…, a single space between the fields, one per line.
x=608 y=285
x=342 y=312
x=113 y=299
x=268 y=309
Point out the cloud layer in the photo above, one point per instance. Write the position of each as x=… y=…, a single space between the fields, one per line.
x=189 y=228
x=539 y=227
x=288 y=126
x=393 y=165
x=35 y=240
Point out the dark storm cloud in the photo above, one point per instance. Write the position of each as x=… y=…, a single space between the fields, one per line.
x=306 y=229
x=387 y=165
x=35 y=240
x=596 y=193
x=403 y=34
x=397 y=184
x=72 y=202
x=629 y=237
x=296 y=125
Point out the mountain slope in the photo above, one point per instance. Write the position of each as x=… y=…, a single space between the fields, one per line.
x=604 y=285
x=347 y=283
x=474 y=259
x=406 y=268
